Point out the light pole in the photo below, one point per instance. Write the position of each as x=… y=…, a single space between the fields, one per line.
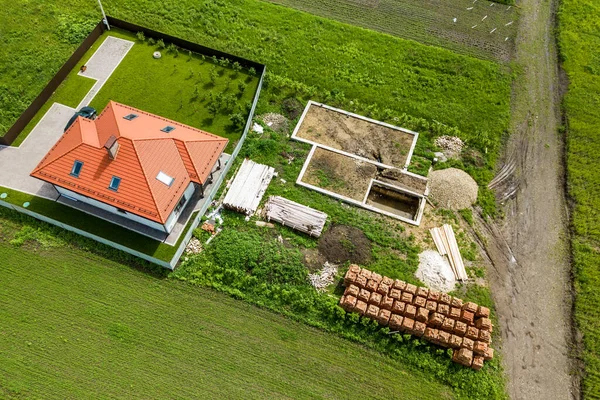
x=103 y=15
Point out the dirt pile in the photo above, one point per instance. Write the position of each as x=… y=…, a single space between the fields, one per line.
x=344 y=243
x=435 y=271
x=452 y=188
x=276 y=122
x=437 y=317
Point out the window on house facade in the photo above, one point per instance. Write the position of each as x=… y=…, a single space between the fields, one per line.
x=114 y=183
x=180 y=205
x=76 y=170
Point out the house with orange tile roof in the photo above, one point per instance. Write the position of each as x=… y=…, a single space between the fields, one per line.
x=132 y=163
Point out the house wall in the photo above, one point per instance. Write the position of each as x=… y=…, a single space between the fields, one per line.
x=189 y=191
x=111 y=209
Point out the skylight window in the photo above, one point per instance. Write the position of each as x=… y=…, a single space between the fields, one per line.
x=114 y=183
x=164 y=178
x=76 y=170
x=130 y=117
x=168 y=129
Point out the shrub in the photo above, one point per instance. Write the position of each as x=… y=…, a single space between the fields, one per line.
x=161 y=44
x=237 y=120
x=141 y=37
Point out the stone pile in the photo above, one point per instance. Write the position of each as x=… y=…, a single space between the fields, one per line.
x=437 y=317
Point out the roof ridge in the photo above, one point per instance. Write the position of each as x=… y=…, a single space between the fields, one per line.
x=147 y=181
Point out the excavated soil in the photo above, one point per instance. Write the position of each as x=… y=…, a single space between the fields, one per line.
x=357 y=136
x=340 y=174
x=343 y=243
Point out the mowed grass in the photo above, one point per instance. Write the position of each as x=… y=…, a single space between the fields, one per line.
x=79 y=326
x=580 y=48
x=179 y=86
x=430 y=23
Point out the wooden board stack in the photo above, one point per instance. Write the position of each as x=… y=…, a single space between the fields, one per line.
x=248 y=187
x=445 y=241
x=434 y=316
x=296 y=216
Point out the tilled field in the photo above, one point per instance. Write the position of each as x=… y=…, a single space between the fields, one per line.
x=480 y=28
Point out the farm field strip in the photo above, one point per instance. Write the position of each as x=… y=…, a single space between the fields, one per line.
x=78 y=326
x=430 y=22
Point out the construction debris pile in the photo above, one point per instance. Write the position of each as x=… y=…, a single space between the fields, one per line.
x=296 y=216
x=248 y=187
x=450 y=145
x=452 y=189
x=323 y=278
x=437 y=317
x=445 y=241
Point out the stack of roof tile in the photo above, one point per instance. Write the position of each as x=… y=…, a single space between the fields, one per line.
x=434 y=316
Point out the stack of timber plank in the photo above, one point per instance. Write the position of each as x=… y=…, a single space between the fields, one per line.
x=436 y=317
x=248 y=187
x=295 y=215
x=445 y=241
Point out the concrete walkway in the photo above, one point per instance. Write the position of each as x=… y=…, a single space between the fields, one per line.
x=16 y=163
x=103 y=63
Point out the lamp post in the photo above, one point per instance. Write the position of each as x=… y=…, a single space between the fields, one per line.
x=103 y=15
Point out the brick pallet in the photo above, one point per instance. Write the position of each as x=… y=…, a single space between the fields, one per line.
x=434 y=316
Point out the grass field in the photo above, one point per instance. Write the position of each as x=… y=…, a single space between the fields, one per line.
x=178 y=86
x=430 y=23
x=579 y=46
x=79 y=326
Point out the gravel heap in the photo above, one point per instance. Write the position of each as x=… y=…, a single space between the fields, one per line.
x=452 y=188
x=451 y=145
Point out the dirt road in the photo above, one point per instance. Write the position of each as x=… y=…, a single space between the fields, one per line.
x=530 y=277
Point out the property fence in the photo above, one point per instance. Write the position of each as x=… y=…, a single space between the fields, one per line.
x=51 y=87
x=35 y=106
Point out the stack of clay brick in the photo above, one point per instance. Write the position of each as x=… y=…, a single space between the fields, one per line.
x=434 y=316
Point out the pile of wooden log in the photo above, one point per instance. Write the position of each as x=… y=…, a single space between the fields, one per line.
x=248 y=187
x=296 y=216
x=434 y=316
x=445 y=241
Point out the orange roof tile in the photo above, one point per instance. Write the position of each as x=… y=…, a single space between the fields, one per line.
x=185 y=154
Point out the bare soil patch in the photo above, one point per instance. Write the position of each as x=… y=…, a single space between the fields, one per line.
x=344 y=243
x=340 y=174
x=357 y=136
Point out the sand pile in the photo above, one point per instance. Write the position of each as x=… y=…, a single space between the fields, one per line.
x=452 y=188
x=435 y=271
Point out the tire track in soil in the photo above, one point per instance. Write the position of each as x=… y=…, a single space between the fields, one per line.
x=529 y=249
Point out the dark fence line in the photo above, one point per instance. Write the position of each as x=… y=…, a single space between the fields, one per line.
x=184 y=44
x=51 y=87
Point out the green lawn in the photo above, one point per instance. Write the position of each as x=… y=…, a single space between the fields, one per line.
x=580 y=48
x=79 y=326
x=93 y=225
x=177 y=86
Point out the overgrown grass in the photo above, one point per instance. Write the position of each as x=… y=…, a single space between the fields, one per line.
x=80 y=326
x=580 y=48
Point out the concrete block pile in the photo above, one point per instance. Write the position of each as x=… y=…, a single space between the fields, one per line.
x=437 y=317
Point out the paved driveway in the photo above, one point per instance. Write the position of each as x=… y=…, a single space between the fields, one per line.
x=16 y=163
